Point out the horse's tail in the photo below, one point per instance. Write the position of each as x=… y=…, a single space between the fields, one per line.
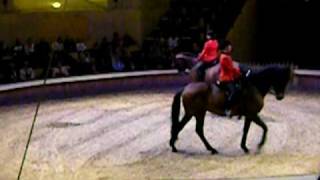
x=175 y=110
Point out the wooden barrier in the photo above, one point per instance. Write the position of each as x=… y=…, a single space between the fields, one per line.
x=307 y=80
x=27 y=92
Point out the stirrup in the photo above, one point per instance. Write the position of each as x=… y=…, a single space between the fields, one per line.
x=248 y=73
x=218 y=83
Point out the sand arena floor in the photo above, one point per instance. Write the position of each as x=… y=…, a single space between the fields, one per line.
x=125 y=136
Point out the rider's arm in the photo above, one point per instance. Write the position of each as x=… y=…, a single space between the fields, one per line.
x=203 y=52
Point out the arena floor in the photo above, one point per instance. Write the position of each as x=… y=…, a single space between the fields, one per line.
x=125 y=136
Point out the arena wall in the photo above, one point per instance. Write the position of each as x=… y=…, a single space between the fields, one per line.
x=60 y=88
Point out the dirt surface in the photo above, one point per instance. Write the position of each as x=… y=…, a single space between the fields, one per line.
x=125 y=136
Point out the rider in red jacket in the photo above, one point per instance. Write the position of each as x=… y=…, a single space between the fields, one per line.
x=228 y=74
x=209 y=55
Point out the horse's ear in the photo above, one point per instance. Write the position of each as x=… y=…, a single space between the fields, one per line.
x=292 y=67
x=292 y=70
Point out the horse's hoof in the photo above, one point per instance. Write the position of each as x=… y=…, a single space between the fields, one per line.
x=260 y=146
x=246 y=151
x=213 y=152
x=174 y=150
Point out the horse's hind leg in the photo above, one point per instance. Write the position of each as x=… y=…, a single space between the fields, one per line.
x=178 y=128
x=246 y=127
x=199 y=130
x=260 y=123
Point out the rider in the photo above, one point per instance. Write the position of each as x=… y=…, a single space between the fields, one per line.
x=209 y=55
x=228 y=74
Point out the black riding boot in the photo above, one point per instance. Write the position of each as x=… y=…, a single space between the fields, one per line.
x=230 y=99
x=201 y=71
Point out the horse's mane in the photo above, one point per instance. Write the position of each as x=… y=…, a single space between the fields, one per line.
x=258 y=68
x=264 y=76
x=269 y=69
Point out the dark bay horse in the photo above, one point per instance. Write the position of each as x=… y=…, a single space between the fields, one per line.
x=200 y=97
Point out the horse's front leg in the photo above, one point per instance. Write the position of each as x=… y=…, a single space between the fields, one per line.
x=246 y=127
x=199 y=130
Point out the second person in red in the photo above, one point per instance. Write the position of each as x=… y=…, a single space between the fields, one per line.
x=228 y=74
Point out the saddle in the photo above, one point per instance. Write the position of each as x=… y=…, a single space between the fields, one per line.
x=222 y=86
x=238 y=86
x=239 y=83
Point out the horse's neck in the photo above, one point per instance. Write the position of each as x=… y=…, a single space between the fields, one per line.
x=262 y=81
x=263 y=88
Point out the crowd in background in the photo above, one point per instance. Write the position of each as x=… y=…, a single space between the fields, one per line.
x=181 y=28
x=29 y=59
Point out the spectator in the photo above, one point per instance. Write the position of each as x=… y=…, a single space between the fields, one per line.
x=88 y=62
x=60 y=70
x=29 y=47
x=103 y=56
x=127 y=47
x=128 y=41
x=173 y=43
x=26 y=72
x=29 y=51
x=5 y=52
x=156 y=56
x=115 y=42
x=18 y=49
x=117 y=63
x=81 y=46
x=42 y=55
x=57 y=46
x=69 y=45
x=12 y=73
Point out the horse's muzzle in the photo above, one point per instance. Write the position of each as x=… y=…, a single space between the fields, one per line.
x=280 y=96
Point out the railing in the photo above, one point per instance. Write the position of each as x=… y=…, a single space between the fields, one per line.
x=85 y=78
x=62 y=88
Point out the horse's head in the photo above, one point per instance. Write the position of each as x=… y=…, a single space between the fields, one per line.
x=280 y=80
x=185 y=60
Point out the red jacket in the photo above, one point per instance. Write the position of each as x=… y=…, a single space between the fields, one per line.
x=209 y=52
x=227 y=71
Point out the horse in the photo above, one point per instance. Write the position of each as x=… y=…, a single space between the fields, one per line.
x=185 y=61
x=200 y=97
